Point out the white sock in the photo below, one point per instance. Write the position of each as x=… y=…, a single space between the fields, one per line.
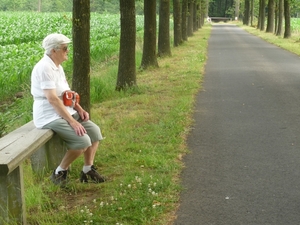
x=86 y=169
x=58 y=169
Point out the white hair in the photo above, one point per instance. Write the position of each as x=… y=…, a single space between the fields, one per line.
x=54 y=41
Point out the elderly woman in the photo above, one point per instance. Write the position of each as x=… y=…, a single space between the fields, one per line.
x=71 y=123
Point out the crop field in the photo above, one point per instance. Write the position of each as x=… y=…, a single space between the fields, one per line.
x=21 y=35
x=295 y=25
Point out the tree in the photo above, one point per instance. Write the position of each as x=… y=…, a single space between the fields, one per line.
x=164 y=48
x=149 y=46
x=190 y=25
x=177 y=22
x=195 y=16
x=81 y=51
x=262 y=14
x=252 y=12
x=184 y=19
x=190 y=20
x=246 y=12
x=127 y=65
x=287 y=19
x=280 y=18
x=271 y=14
x=237 y=9
x=221 y=8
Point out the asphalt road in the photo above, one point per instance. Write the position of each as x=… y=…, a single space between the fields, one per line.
x=244 y=165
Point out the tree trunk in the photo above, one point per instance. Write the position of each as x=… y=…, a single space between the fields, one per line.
x=177 y=22
x=127 y=65
x=259 y=15
x=262 y=15
x=190 y=25
x=203 y=12
x=164 y=48
x=184 y=19
x=271 y=13
x=237 y=10
x=287 y=19
x=280 y=18
x=199 y=14
x=149 y=47
x=276 y=17
x=252 y=12
x=81 y=51
x=246 y=13
x=195 y=16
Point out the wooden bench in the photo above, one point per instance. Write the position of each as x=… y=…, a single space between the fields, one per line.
x=218 y=19
x=26 y=142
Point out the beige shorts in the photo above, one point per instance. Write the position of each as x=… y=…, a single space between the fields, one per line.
x=67 y=133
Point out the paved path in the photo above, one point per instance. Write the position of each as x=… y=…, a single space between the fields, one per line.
x=244 y=165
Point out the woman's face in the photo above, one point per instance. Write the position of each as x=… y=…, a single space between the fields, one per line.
x=62 y=53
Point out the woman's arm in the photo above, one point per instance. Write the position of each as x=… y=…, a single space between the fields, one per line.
x=59 y=107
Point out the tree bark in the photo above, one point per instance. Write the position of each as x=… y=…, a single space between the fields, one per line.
x=237 y=9
x=246 y=13
x=127 y=65
x=164 y=48
x=177 y=22
x=252 y=12
x=195 y=17
x=259 y=15
x=149 y=46
x=184 y=19
x=81 y=51
x=280 y=18
x=190 y=26
x=262 y=14
x=271 y=14
x=287 y=19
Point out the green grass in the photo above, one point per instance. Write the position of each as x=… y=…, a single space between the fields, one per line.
x=290 y=44
x=145 y=131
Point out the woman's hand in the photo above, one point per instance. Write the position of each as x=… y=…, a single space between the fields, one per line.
x=78 y=128
x=85 y=116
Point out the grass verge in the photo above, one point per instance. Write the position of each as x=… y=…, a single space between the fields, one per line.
x=290 y=44
x=145 y=132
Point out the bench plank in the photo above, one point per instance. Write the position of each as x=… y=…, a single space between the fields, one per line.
x=16 y=134
x=20 y=145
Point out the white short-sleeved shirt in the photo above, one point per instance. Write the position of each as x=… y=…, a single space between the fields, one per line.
x=46 y=75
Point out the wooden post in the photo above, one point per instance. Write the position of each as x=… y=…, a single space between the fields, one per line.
x=48 y=156
x=12 y=200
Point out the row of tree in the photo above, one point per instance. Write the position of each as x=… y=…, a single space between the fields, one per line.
x=100 y=6
x=110 y=6
x=274 y=14
x=235 y=8
x=188 y=17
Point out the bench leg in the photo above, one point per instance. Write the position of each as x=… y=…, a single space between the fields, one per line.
x=12 y=200
x=48 y=156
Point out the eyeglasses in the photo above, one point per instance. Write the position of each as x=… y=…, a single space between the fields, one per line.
x=64 y=48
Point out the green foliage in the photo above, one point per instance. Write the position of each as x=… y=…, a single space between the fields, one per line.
x=21 y=35
x=99 y=6
x=295 y=26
